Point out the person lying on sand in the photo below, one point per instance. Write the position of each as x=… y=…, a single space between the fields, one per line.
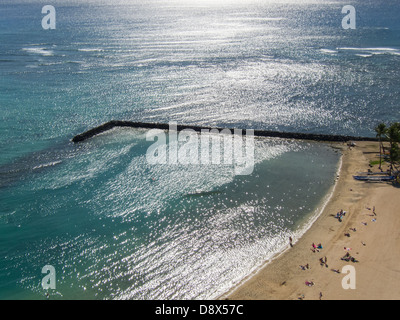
x=305 y=267
x=347 y=257
x=323 y=262
x=314 y=248
x=319 y=246
x=341 y=213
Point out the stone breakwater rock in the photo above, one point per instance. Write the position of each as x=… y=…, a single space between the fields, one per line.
x=258 y=133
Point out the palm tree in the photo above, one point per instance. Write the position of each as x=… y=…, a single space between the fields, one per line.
x=381 y=131
x=393 y=134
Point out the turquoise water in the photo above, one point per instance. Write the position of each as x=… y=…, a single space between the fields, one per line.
x=114 y=226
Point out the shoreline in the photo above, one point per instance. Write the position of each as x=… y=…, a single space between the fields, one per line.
x=303 y=229
x=282 y=278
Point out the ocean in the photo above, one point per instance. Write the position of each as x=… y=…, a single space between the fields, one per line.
x=114 y=226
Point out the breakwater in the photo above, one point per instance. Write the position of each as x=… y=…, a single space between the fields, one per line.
x=258 y=133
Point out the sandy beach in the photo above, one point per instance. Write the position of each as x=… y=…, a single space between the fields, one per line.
x=373 y=239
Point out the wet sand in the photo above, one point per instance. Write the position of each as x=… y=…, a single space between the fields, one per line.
x=375 y=243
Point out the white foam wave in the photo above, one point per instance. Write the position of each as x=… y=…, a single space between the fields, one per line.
x=367 y=49
x=91 y=50
x=364 y=55
x=328 y=51
x=40 y=51
x=50 y=164
x=368 y=52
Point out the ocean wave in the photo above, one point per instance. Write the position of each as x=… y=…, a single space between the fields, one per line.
x=49 y=63
x=367 y=52
x=364 y=55
x=39 y=51
x=328 y=51
x=91 y=49
x=49 y=164
x=367 y=49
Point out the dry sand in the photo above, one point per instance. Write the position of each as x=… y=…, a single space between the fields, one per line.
x=375 y=245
